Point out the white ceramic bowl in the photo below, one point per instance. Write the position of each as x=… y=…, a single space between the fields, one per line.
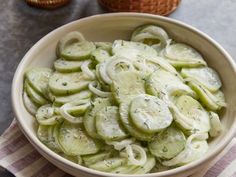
x=109 y=27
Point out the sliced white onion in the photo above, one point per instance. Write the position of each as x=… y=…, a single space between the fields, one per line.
x=119 y=145
x=85 y=69
x=64 y=111
x=216 y=126
x=113 y=63
x=131 y=150
x=92 y=88
x=103 y=72
x=30 y=106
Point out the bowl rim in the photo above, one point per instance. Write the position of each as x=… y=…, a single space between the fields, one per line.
x=41 y=147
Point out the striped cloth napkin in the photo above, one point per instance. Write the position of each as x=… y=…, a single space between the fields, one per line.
x=19 y=157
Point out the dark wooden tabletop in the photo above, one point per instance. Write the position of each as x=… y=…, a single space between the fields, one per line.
x=21 y=26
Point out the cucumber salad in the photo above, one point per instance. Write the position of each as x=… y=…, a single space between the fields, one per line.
x=130 y=107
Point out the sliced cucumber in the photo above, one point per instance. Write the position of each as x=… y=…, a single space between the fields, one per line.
x=125 y=119
x=89 y=118
x=78 y=50
x=104 y=45
x=68 y=83
x=183 y=52
x=132 y=50
x=147 y=167
x=73 y=46
x=94 y=158
x=150 y=114
x=38 y=79
x=108 y=125
x=216 y=126
x=150 y=34
x=83 y=94
x=127 y=85
x=65 y=66
x=34 y=96
x=195 y=148
x=162 y=81
x=205 y=76
x=168 y=143
x=124 y=169
x=70 y=38
x=46 y=115
x=109 y=164
x=75 y=141
x=29 y=105
x=193 y=113
x=185 y=64
x=213 y=101
x=46 y=136
x=100 y=55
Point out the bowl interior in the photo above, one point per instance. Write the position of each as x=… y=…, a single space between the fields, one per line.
x=119 y=26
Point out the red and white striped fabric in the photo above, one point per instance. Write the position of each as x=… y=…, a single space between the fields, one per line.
x=19 y=157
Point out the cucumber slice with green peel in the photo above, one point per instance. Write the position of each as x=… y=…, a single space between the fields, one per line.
x=108 y=124
x=30 y=106
x=38 y=79
x=195 y=148
x=150 y=35
x=205 y=76
x=159 y=167
x=89 y=118
x=78 y=50
x=132 y=50
x=100 y=55
x=94 y=158
x=33 y=95
x=147 y=167
x=83 y=94
x=127 y=85
x=165 y=65
x=71 y=158
x=168 y=143
x=150 y=114
x=70 y=38
x=124 y=169
x=46 y=136
x=216 y=126
x=104 y=45
x=182 y=52
x=46 y=115
x=162 y=81
x=69 y=83
x=128 y=125
x=65 y=66
x=109 y=164
x=213 y=101
x=186 y=64
x=73 y=46
x=194 y=113
x=75 y=141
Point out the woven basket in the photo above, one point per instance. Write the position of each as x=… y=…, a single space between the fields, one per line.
x=47 y=4
x=160 y=7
